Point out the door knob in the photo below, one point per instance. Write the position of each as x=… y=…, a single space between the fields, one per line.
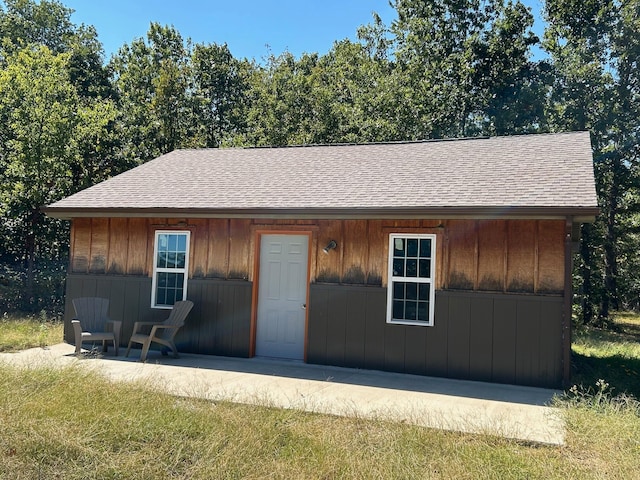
x=304 y=306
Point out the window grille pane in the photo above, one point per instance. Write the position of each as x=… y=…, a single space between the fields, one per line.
x=412 y=247
x=425 y=248
x=425 y=268
x=173 y=243
x=398 y=291
x=398 y=247
x=423 y=291
x=412 y=291
x=423 y=311
x=161 y=296
x=398 y=309
x=171 y=296
x=180 y=260
x=398 y=267
x=182 y=243
x=410 y=310
x=412 y=267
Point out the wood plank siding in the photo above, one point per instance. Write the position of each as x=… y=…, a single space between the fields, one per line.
x=498 y=308
x=478 y=336
x=219 y=323
x=518 y=256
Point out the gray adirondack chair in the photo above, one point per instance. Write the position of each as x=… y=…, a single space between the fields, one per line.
x=92 y=323
x=162 y=333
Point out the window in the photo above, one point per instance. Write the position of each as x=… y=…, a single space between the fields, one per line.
x=410 y=296
x=170 y=268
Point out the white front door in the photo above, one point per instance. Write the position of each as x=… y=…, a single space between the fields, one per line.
x=282 y=296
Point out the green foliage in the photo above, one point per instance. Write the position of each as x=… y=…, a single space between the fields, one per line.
x=48 y=286
x=53 y=126
x=445 y=68
x=151 y=80
x=594 y=48
x=467 y=62
x=25 y=22
x=220 y=101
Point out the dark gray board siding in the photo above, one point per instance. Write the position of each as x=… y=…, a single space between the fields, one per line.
x=219 y=323
x=505 y=338
x=502 y=338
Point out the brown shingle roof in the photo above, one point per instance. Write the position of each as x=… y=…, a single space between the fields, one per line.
x=517 y=175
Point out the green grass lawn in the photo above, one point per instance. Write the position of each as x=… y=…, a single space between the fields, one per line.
x=613 y=356
x=71 y=424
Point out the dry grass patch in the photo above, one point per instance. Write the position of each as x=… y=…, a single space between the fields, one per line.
x=70 y=423
x=20 y=331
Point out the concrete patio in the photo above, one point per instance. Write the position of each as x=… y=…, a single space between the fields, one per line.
x=521 y=413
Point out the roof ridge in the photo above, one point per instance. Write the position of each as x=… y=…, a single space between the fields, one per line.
x=387 y=142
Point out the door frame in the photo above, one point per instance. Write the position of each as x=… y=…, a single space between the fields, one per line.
x=257 y=240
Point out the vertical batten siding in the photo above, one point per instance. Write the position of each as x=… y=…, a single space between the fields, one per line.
x=504 y=338
x=491 y=255
x=519 y=256
x=498 y=304
x=118 y=246
x=218 y=325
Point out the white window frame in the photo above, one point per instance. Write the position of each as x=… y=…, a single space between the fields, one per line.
x=157 y=269
x=391 y=278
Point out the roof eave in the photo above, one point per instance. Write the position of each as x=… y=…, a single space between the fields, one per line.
x=579 y=213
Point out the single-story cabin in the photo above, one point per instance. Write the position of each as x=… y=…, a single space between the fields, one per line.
x=448 y=258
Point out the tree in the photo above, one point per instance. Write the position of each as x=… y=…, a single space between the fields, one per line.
x=220 y=89
x=359 y=92
x=594 y=46
x=282 y=102
x=42 y=124
x=48 y=23
x=467 y=65
x=151 y=81
x=25 y=22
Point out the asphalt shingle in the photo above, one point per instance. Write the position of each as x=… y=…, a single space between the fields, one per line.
x=527 y=171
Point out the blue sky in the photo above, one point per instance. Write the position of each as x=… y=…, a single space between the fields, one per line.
x=247 y=26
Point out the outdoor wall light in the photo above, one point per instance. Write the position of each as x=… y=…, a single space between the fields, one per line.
x=330 y=246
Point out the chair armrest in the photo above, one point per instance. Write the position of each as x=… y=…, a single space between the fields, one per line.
x=159 y=326
x=137 y=325
x=77 y=331
x=116 y=325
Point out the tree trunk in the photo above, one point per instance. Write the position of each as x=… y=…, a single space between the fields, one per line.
x=31 y=255
x=585 y=273
x=610 y=293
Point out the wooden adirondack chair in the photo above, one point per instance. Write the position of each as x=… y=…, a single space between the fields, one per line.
x=92 y=324
x=162 y=333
